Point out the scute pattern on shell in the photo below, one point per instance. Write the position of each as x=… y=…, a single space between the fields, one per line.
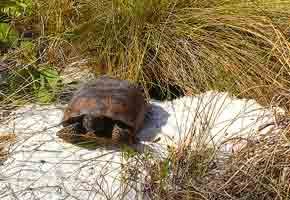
x=113 y=98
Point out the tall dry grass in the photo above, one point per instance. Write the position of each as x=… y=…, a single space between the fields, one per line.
x=236 y=46
x=259 y=170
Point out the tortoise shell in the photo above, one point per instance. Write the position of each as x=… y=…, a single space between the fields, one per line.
x=108 y=98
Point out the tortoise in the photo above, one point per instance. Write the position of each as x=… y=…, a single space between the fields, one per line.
x=107 y=107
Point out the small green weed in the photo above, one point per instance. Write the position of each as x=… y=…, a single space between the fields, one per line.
x=39 y=84
x=8 y=36
x=16 y=8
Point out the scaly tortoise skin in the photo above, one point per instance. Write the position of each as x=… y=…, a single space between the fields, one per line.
x=107 y=107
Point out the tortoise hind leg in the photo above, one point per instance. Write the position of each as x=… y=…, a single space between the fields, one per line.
x=122 y=135
x=117 y=134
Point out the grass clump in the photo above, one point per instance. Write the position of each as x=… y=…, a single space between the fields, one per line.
x=238 y=46
x=259 y=170
x=180 y=176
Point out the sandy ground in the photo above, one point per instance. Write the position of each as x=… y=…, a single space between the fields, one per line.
x=42 y=166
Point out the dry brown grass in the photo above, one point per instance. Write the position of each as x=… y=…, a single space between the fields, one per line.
x=5 y=141
x=236 y=46
x=259 y=170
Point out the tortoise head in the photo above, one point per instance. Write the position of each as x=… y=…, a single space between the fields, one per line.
x=69 y=118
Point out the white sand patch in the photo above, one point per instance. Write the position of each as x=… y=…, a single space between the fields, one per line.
x=43 y=166
x=210 y=118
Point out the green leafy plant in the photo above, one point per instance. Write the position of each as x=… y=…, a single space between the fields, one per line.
x=11 y=9
x=46 y=84
x=38 y=84
x=28 y=51
x=8 y=36
x=128 y=152
x=16 y=8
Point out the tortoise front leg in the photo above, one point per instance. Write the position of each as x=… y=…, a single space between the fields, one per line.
x=71 y=132
x=100 y=126
x=88 y=123
x=72 y=129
